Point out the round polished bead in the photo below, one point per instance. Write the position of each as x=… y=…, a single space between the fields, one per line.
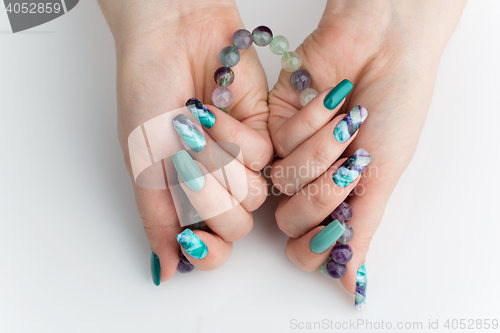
x=279 y=45
x=342 y=213
x=291 y=61
x=300 y=79
x=335 y=270
x=347 y=235
x=342 y=253
x=322 y=268
x=262 y=35
x=242 y=39
x=307 y=95
x=224 y=76
x=222 y=97
x=229 y=56
x=184 y=266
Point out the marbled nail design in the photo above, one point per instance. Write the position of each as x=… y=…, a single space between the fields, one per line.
x=189 y=133
x=200 y=112
x=351 y=168
x=360 y=300
x=192 y=244
x=350 y=124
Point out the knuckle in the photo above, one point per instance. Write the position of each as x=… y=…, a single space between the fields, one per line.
x=321 y=203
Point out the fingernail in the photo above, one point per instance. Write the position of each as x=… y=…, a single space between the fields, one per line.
x=324 y=239
x=350 y=124
x=189 y=133
x=352 y=168
x=192 y=244
x=337 y=94
x=188 y=170
x=155 y=269
x=360 y=298
x=200 y=112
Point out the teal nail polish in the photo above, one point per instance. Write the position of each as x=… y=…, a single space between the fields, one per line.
x=351 y=168
x=192 y=244
x=326 y=237
x=201 y=112
x=189 y=133
x=155 y=269
x=360 y=298
x=189 y=172
x=350 y=124
x=337 y=94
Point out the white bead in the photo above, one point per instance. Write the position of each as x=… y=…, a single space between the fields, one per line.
x=307 y=95
x=291 y=61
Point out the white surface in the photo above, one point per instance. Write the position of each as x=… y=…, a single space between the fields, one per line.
x=73 y=254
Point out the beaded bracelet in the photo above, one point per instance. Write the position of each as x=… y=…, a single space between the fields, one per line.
x=242 y=39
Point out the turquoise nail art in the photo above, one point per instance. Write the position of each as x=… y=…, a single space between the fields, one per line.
x=189 y=133
x=360 y=299
x=188 y=170
x=337 y=94
x=352 y=168
x=201 y=112
x=192 y=244
x=155 y=269
x=326 y=237
x=350 y=124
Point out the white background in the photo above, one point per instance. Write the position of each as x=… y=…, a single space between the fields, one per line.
x=73 y=254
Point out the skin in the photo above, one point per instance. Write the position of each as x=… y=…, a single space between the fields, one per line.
x=390 y=51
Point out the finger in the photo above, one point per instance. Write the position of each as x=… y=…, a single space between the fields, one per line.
x=317 y=154
x=308 y=120
x=206 y=251
x=298 y=214
x=256 y=148
x=214 y=204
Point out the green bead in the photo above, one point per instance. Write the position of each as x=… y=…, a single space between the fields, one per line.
x=279 y=45
x=291 y=61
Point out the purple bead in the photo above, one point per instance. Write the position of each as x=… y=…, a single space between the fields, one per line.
x=342 y=253
x=224 y=76
x=300 y=79
x=262 y=35
x=184 y=266
x=335 y=270
x=222 y=97
x=242 y=39
x=347 y=235
x=342 y=213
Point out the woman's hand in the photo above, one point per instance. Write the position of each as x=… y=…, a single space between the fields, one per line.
x=167 y=53
x=390 y=51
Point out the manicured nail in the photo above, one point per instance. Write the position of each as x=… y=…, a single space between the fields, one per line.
x=360 y=298
x=192 y=244
x=350 y=124
x=324 y=239
x=155 y=269
x=337 y=94
x=200 y=112
x=189 y=133
x=188 y=170
x=352 y=168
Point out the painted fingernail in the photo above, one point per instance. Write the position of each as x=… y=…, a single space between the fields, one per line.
x=337 y=94
x=350 y=124
x=352 y=168
x=324 y=239
x=200 y=112
x=189 y=133
x=192 y=244
x=360 y=298
x=155 y=269
x=188 y=170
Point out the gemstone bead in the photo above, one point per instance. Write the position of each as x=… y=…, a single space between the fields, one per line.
x=184 y=266
x=322 y=268
x=224 y=76
x=229 y=56
x=307 y=95
x=222 y=97
x=262 y=35
x=242 y=39
x=342 y=253
x=300 y=79
x=291 y=61
x=347 y=235
x=342 y=213
x=335 y=270
x=279 y=45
